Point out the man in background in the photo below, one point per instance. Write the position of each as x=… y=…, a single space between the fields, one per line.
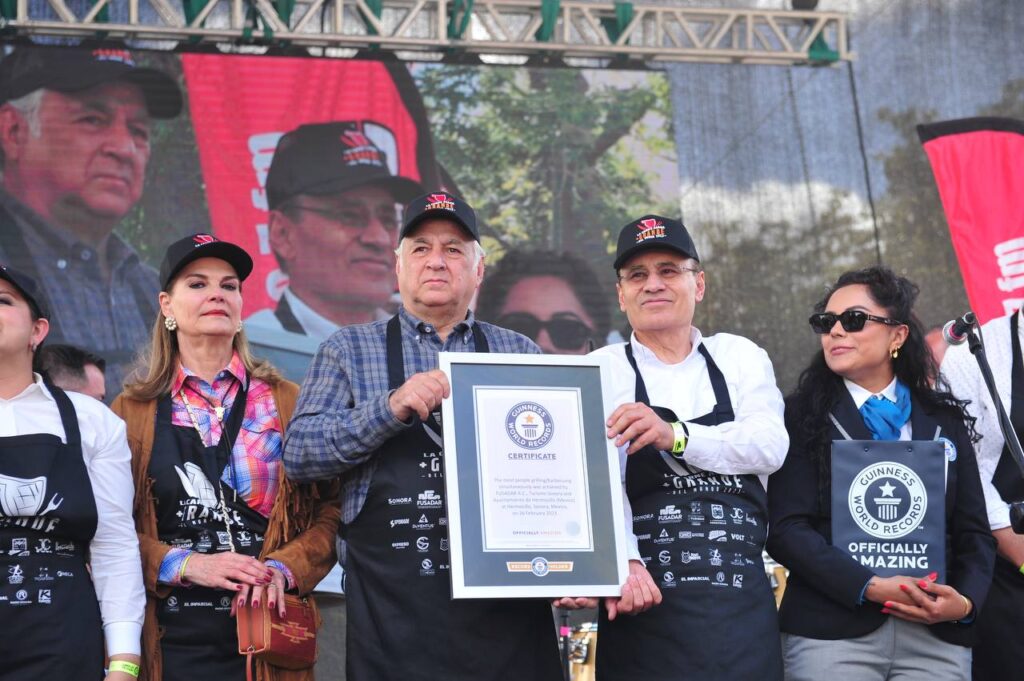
x=554 y=299
x=72 y=368
x=333 y=195
x=75 y=131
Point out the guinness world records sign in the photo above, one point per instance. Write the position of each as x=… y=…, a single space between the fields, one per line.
x=888 y=505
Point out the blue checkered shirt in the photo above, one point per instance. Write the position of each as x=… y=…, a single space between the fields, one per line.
x=343 y=417
x=111 y=318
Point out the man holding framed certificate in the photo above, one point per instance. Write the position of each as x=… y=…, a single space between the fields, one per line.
x=696 y=468
x=368 y=412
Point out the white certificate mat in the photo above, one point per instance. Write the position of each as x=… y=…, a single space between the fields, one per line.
x=533 y=472
x=533 y=488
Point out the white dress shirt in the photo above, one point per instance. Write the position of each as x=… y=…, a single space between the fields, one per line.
x=754 y=443
x=114 y=550
x=961 y=373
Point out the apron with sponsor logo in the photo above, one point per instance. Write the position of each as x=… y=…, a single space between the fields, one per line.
x=48 y=607
x=997 y=650
x=701 y=535
x=403 y=624
x=199 y=641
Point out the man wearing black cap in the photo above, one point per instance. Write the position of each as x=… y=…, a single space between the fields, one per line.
x=333 y=193
x=368 y=413
x=75 y=129
x=699 y=428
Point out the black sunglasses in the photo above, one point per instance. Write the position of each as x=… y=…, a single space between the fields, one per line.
x=852 y=320
x=566 y=330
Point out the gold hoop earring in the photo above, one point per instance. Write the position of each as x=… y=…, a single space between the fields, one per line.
x=895 y=352
x=171 y=323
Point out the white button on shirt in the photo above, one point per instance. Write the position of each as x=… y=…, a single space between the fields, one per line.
x=114 y=550
x=961 y=372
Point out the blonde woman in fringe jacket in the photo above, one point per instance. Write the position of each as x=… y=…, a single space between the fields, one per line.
x=220 y=526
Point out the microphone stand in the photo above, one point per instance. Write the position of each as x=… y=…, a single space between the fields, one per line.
x=977 y=349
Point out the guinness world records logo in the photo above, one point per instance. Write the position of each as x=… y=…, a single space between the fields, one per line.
x=529 y=425
x=888 y=500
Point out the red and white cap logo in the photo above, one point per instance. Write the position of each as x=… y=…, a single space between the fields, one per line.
x=649 y=228
x=440 y=202
x=203 y=239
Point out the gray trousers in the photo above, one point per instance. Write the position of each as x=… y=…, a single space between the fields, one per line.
x=896 y=651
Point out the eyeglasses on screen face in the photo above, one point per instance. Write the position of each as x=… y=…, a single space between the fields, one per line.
x=566 y=330
x=852 y=320
x=353 y=215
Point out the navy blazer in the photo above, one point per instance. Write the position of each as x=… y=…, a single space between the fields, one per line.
x=825 y=584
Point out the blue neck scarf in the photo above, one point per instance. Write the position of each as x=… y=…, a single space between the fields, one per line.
x=885 y=418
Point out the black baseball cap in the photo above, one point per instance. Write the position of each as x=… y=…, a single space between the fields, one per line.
x=27 y=286
x=653 y=232
x=184 y=251
x=28 y=69
x=326 y=158
x=440 y=205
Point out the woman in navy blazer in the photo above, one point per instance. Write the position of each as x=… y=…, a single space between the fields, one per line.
x=837 y=617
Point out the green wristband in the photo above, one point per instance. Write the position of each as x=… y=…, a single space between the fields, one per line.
x=1021 y=568
x=679 y=431
x=129 y=668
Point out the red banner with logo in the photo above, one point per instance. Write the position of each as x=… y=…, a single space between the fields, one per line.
x=242 y=105
x=979 y=168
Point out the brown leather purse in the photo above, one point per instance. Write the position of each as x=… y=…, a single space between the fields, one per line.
x=289 y=643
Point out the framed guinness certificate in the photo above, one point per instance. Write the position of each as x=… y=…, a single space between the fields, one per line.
x=534 y=492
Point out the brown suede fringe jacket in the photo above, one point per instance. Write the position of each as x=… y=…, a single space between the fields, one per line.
x=300 y=533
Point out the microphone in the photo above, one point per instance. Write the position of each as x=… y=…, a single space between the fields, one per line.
x=955 y=331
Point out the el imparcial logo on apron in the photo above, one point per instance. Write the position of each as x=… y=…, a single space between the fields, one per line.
x=888 y=504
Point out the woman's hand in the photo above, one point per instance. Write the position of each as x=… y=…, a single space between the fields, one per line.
x=225 y=570
x=119 y=675
x=273 y=592
x=891 y=589
x=933 y=603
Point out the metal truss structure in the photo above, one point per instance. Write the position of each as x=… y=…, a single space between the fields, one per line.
x=432 y=29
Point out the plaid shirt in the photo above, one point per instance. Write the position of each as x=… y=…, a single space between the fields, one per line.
x=343 y=417
x=112 y=318
x=256 y=456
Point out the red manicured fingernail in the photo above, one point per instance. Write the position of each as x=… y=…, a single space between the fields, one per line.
x=237 y=587
x=923 y=584
x=903 y=587
x=888 y=604
x=885 y=611
x=241 y=602
x=933 y=576
x=271 y=604
x=255 y=603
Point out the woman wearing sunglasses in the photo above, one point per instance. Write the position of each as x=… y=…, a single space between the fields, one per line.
x=870 y=382
x=554 y=299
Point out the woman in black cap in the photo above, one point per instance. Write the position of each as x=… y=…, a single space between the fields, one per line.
x=878 y=511
x=65 y=500
x=220 y=525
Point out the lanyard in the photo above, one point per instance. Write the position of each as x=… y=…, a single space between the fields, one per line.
x=228 y=432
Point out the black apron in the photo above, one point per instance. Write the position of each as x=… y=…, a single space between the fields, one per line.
x=48 y=608
x=199 y=642
x=701 y=535
x=998 y=649
x=403 y=623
